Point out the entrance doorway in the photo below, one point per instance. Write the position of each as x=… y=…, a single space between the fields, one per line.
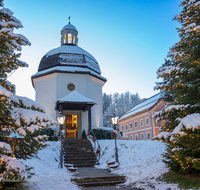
x=71 y=126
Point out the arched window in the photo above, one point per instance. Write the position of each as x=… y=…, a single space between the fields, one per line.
x=74 y=40
x=69 y=38
x=65 y=39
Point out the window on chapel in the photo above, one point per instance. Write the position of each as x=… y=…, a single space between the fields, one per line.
x=69 y=38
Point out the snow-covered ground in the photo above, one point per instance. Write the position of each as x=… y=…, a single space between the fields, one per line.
x=47 y=174
x=140 y=161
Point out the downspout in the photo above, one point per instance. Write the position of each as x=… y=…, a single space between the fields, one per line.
x=152 y=124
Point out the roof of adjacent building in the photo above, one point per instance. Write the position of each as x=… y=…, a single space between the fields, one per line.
x=144 y=105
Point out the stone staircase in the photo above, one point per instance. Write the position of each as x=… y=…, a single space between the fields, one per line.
x=79 y=152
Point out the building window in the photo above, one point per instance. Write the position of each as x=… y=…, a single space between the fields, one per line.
x=142 y=136
x=147 y=121
x=148 y=136
x=71 y=86
x=141 y=123
x=65 y=39
x=131 y=126
x=74 y=39
x=126 y=127
x=131 y=137
x=122 y=128
x=136 y=136
x=69 y=38
x=135 y=124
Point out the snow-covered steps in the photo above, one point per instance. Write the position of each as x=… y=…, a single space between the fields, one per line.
x=79 y=152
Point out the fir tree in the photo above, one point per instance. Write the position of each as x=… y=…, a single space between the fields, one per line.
x=181 y=89
x=18 y=115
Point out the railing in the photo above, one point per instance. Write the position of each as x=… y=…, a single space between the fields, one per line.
x=95 y=145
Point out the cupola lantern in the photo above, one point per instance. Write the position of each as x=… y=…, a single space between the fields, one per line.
x=69 y=35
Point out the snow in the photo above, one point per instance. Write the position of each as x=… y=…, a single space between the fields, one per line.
x=47 y=174
x=12 y=163
x=76 y=96
x=163 y=134
x=69 y=26
x=29 y=116
x=69 y=69
x=190 y=122
x=143 y=106
x=70 y=49
x=29 y=103
x=6 y=146
x=140 y=161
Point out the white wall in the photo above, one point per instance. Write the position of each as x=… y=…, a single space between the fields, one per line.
x=54 y=86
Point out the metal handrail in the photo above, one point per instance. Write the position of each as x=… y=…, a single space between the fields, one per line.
x=94 y=147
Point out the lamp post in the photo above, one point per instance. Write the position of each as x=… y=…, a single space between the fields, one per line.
x=114 y=122
x=61 y=121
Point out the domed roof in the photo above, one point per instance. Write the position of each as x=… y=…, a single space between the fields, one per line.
x=69 y=26
x=69 y=55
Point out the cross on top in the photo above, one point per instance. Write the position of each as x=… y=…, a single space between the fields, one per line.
x=69 y=19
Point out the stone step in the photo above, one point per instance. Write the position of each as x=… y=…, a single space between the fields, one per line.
x=80 y=158
x=77 y=148
x=79 y=152
x=99 y=179
x=81 y=162
x=103 y=183
x=84 y=165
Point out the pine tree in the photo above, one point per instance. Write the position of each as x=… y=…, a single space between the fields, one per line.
x=18 y=115
x=181 y=90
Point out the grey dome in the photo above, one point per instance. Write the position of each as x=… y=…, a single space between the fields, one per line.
x=69 y=55
x=69 y=26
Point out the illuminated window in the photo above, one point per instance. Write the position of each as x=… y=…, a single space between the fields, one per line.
x=74 y=40
x=65 y=39
x=69 y=38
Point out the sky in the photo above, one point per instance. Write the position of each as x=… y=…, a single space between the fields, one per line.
x=129 y=38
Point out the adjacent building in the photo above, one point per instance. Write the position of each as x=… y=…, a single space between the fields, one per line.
x=138 y=123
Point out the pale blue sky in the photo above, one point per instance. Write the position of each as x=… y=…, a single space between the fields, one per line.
x=129 y=38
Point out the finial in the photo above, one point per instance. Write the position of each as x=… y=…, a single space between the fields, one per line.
x=69 y=19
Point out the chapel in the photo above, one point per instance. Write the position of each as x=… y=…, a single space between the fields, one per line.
x=69 y=81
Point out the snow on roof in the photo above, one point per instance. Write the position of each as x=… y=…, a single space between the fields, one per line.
x=69 y=26
x=69 y=49
x=76 y=96
x=143 y=106
x=71 y=70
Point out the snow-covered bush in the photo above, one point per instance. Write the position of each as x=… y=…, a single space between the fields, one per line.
x=180 y=87
x=17 y=114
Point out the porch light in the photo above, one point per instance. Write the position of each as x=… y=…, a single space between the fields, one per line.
x=114 y=122
x=61 y=119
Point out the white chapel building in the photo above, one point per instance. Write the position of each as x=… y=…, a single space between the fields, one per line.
x=69 y=81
